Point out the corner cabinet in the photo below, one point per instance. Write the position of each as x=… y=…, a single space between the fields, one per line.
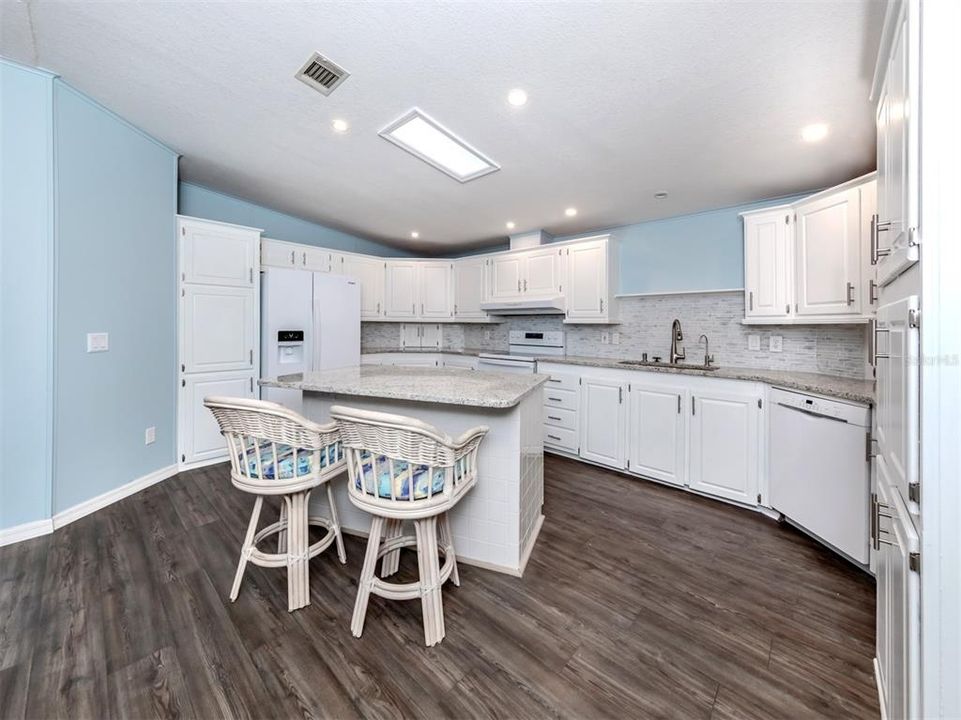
x=589 y=272
x=370 y=274
x=470 y=289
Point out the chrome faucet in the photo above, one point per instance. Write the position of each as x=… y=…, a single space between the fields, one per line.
x=676 y=336
x=708 y=358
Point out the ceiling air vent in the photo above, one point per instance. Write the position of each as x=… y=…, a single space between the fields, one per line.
x=321 y=74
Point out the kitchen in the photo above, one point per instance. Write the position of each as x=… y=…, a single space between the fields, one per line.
x=657 y=436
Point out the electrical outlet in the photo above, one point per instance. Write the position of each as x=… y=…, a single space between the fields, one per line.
x=616 y=338
x=605 y=338
x=150 y=435
x=98 y=342
x=775 y=343
x=753 y=342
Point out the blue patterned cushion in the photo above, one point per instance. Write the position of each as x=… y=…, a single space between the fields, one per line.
x=285 y=459
x=402 y=478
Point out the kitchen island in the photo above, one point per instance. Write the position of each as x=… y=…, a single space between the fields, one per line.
x=496 y=524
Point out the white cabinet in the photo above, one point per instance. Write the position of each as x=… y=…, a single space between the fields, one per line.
x=587 y=289
x=370 y=273
x=768 y=263
x=469 y=288
x=416 y=290
x=465 y=362
x=315 y=259
x=603 y=421
x=526 y=274
x=656 y=436
x=506 y=276
x=200 y=438
x=435 y=285
x=400 y=289
x=216 y=331
x=724 y=454
x=420 y=335
x=276 y=253
x=217 y=254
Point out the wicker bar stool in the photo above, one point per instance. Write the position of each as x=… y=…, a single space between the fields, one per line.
x=403 y=469
x=275 y=451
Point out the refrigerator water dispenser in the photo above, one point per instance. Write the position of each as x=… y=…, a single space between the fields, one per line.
x=290 y=347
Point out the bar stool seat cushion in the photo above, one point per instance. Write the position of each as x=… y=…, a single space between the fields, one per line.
x=285 y=460
x=402 y=478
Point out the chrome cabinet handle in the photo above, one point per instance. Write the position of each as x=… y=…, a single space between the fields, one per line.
x=750 y=300
x=878 y=227
x=518 y=285
x=378 y=307
x=554 y=437
x=872 y=292
x=850 y=293
x=304 y=260
x=525 y=285
x=553 y=417
x=602 y=304
x=292 y=261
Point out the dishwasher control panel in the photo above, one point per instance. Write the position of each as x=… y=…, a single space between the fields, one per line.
x=835 y=409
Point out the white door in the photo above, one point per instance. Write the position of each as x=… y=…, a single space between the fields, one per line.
x=213 y=254
x=435 y=284
x=400 y=290
x=200 y=437
x=369 y=272
x=315 y=259
x=506 y=277
x=469 y=276
x=724 y=445
x=828 y=255
x=898 y=386
x=603 y=419
x=430 y=335
x=587 y=280
x=767 y=264
x=217 y=331
x=656 y=438
x=275 y=253
x=541 y=274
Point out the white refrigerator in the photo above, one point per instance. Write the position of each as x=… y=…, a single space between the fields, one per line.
x=309 y=321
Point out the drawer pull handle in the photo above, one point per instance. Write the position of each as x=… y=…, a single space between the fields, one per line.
x=554 y=399
x=551 y=417
x=554 y=437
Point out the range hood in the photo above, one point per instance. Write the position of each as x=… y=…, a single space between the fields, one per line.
x=546 y=305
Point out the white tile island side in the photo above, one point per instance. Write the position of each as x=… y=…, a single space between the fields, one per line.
x=496 y=524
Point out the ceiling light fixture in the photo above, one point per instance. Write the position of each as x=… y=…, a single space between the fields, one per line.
x=340 y=126
x=814 y=133
x=427 y=139
x=517 y=97
x=414 y=234
x=510 y=225
x=571 y=212
x=660 y=195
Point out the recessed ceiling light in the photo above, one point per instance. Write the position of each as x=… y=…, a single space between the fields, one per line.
x=660 y=195
x=814 y=133
x=517 y=97
x=570 y=212
x=427 y=139
x=414 y=234
x=340 y=126
x=510 y=224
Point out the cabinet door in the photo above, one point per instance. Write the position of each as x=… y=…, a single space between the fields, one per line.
x=315 y=259
x=274 y=253
x=400 y=293
x=435 y=286
x=430 y=335
x=896 y=415
x=767 y=264
x=216 y=255
x=603 y=416
x=656 y=438
x=587 y=280
x=218 y=328
x=828 y=255
x=369 y=272
x=506 y=276
x=200 y=437
x=724 y=445
x=469 y=277
x=541 y=278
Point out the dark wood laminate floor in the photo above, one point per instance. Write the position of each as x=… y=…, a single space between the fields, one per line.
x=639 y=601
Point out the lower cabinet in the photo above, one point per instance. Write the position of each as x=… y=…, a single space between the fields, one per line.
x=200 y=439
x=724 y=455
x=603 y=421
x=656 y=438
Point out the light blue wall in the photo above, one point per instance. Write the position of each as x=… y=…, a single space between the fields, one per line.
x=116 y=273
x=26 y=257
x=202 y=202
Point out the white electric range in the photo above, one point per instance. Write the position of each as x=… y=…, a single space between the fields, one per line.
x=524 y=347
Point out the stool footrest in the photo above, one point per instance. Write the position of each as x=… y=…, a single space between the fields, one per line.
x=411 y=590
x=264 y=559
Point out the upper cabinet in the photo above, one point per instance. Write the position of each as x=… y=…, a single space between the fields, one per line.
x=217 y=254
x=277 y=253
x=419 y=290
x=370 y=273
x=589 y=272
x=400 y=290
x=526 y=273
x=470 y=284
x=807 y=262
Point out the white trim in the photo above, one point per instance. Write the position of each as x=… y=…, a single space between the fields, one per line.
x=526 y=555
x=205 y=221
x=810 y=320
x=25 y=531
x=111 y=496
x=183 y=467
x=679 y=292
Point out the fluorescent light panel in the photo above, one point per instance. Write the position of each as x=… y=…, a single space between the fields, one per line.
x=427 y=139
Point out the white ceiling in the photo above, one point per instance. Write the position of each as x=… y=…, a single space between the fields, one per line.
x=702 y=99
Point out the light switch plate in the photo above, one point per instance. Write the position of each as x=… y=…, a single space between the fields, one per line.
x=753 y=342
x=150 y=435
x=98 y=342
x=775 y=343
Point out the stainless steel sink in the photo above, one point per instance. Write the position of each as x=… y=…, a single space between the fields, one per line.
x=677 y=366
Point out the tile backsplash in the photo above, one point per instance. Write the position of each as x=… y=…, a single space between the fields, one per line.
x=645 y=326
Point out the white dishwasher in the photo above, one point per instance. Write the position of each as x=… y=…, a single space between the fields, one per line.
x=818 y=469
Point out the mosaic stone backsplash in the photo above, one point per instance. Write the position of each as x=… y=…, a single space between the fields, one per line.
x=645 y=326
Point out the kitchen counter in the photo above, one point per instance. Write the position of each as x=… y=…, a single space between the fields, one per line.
x=860 y=391
x=447 y=386
x=468 y=352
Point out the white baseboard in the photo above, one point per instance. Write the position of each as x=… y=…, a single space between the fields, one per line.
x=111 y=496
x=526 y=555
x=19 y=533
x=202 y=463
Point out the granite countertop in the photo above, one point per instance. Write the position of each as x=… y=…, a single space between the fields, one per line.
x=861 y=391
x=464 y=351
x=448 y=386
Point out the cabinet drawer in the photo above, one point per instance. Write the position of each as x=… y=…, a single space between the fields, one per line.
x=557 y=417
x=566 y=399
x=560 y=438
x=562 y=382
